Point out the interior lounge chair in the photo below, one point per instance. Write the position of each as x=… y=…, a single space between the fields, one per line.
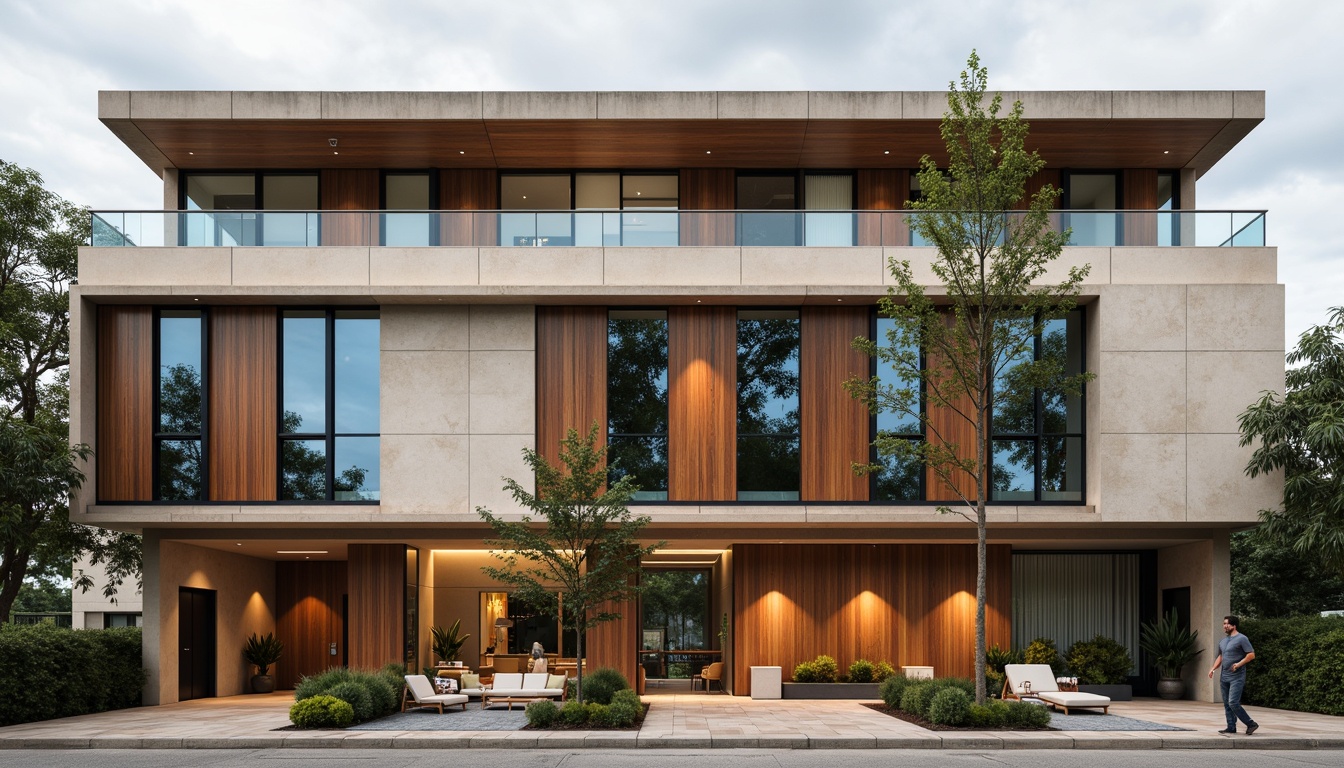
x=711 y=673
x=420 y=693
x=1038 y=681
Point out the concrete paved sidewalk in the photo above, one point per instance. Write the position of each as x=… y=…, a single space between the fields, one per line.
x=685 y=721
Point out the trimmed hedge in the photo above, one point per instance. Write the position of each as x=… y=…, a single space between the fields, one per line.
x=601 y=684
x=45 y=671
x=1299 y=663
x=321 y=711
x=623 y=711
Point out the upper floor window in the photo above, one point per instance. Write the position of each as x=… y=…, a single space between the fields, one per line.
x=1038 y=434
x=637 y=399
x=329 y=404
x=180 y=405
x=769 y=467
x=229 y=202
x=1099 y=193
x=898 y=479
x=408 y=191
x=589 y=209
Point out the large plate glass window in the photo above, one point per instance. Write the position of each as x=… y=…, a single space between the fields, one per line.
x=329 y=428
x=829 y=200
x=898 y=479
x=408 y=192
x=543 y=202
x=637 y=399
x=1038 y=434
x=768 y=433
x=180 y=402
x=244 y=209
x=1092 y=200
x=768 y=216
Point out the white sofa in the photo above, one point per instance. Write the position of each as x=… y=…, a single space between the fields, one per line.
x=1038 y=681
x=520 y=685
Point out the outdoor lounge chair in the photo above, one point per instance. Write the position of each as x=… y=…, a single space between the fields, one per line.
x=1038 y=680
x=420 y=693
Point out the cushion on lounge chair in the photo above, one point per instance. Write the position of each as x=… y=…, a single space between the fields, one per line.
x=1041 y=677
x=1075 y=699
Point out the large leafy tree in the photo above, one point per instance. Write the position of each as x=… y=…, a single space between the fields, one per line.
x=40 y=235
x=1271 y=581
x=1301 y=433
x=970 y=345
x=583 y=546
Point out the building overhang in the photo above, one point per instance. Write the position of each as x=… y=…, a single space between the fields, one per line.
x=222 y=130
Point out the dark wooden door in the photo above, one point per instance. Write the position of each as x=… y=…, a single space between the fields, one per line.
x=196 y=643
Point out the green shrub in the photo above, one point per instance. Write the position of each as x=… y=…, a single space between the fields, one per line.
x=42 y=671
x=623 y=714
x=883 y=670
x=1042 y=651
x=805 y=672
x=321 y=711
x=314 y=685
x=1298 y=663
x=542 y=714
x=384 y=693
x=599 y=715
x=1020 y=714
x=991 y=714
x=626 y=697
x=678 y=670
x=950 y=706
x=1100 y=661
x=892 y=689
x=574 y=713
x=827 y=670
x=600 y=684
x=917 y=697
x=862 y=671
x=996 y=658
x=357 y=696
x=993 y=682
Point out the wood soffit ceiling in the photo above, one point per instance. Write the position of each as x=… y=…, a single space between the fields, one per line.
x=649 y=144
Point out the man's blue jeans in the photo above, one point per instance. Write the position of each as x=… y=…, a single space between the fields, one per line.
x=1232 y=688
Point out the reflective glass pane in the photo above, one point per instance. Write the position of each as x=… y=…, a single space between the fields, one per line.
x=823 y=229
x=777 y=228
x=1013 y=476
x=289 y=229
x=180 y=371
x=357 y=477
x=597 y=191
x=1062 y=469
x=1014 y=395
x=179 y=470
x=555 y=229
x=650 y=191
x=644 y=458
x=1062 y=341
x=768 y=468
x=649 y=229
x=223 y=192
x=289 y=192
x=303 y=470
x=305 y=372
x=898 y=479
x=767 y=372
x=534 y=192
x=517 y=229
x=889 y=373
x=356 y=385
x=637 y=373
x=407 y=229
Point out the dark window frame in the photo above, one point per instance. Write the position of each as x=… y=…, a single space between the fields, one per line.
x=875 y=319
x=737 y=412
x=258 y=194
x=667 y=479
x=159 y=436
x=434 y=201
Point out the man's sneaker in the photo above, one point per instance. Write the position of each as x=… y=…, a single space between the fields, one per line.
x=1228 y=732
x=1252 y=728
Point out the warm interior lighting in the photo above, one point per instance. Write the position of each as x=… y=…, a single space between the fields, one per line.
x=300 y=551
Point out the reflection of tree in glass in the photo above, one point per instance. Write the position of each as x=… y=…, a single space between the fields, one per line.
x=678 y=602
x=898 y=480
x=1015 y=413
x=180 y=413
x=304 y=469
x=637 y=400
x=767 y=373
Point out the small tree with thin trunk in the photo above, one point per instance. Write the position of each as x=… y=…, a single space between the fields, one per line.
x=976 y=334
x=582 y=551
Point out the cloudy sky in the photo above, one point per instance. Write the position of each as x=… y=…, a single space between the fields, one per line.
x=56 y=54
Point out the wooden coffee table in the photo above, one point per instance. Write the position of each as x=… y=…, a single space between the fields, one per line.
x=487 y=700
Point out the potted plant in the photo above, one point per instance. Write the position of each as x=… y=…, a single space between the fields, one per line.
x=1171 y=648
x=447 y=644
x=262 y=652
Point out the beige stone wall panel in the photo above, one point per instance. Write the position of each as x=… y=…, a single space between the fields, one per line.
x=1144 y=392
x=1143 y=478
x=673 y=266
x=310 y=267
x=424 y=266
x=424 y=393
x=1235 y=317
x=1220 y=386
x=425 y=474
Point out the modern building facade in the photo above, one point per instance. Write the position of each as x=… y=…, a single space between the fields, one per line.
x=304 y=375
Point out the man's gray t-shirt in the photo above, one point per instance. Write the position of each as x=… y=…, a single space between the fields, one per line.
x=1233 y=649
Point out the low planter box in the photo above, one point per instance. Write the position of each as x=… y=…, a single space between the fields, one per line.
x=831 y=691
x=1113 y=692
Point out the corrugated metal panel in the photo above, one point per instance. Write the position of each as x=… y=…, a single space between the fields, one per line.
x=1071 y=597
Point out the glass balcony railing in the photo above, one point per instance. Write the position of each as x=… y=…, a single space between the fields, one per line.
x=603 y=229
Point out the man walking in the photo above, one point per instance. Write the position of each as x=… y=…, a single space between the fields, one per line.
x=1234 y=653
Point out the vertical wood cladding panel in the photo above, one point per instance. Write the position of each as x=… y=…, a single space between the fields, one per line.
x=702 y=403
x=1037 y=182
x=1139 y=187
x=349 y=189
x=309 y=618
x=125 y=441
x=571 y=375
x=702 y=190
x=243 y=388
x=377 y=616
x=469 y=189
x=946 y=425
x=615 y=644
x=834 y=425
x=910 y=604
x=885 y=189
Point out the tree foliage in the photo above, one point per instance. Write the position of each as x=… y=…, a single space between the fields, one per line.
x=950 y=350
x=1272 y=581
x=583 y=546
x=40 y=235
x=1301 y=434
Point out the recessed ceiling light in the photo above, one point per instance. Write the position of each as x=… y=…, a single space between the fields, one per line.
x=191 y=153
x=239 y=544
x=300 y=551
x=1166 y=151
x=839 y=299
x=335 y=153
x=707 y=152
x=886 y=151
x=461 y=151
x=637 y=194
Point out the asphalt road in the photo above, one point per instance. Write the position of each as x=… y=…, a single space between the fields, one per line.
x=651 y=758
